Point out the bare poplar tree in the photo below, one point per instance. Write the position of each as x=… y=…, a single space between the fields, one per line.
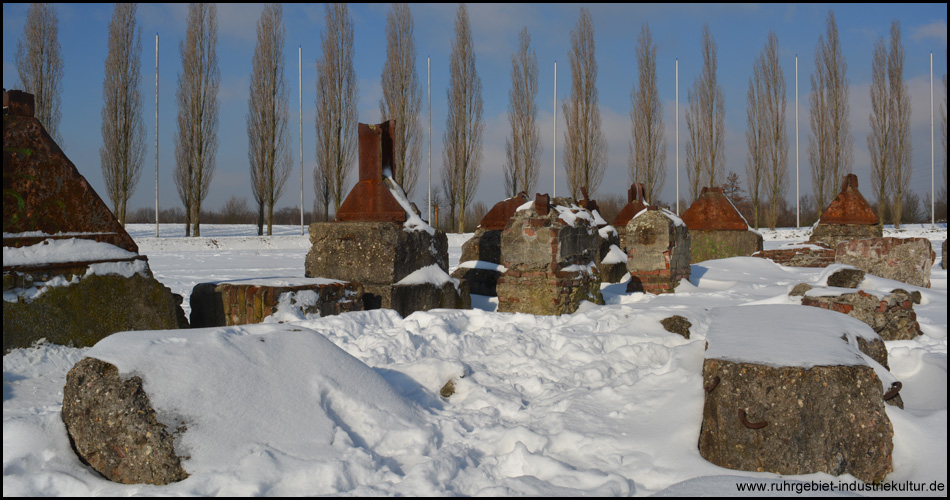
x=648 y=148
x=900 y=162
x=122 y=153
x=830 y=147
x=755 y=139
x=943 y=129
x=585 y=148
x=523 y=147
x=402 y=96
x=268 y=143
x=879 y=138
x=705 y=122
x=337 y=119
x=775 y=143
x=40 y=66
x=196 y=141
x=462 y=139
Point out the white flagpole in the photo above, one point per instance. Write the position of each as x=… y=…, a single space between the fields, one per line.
x=933 y=212
x=300 y=124
x=554 y=186
x=156 y=134
x=798 y=222
x=429 y=134
x=677 y=136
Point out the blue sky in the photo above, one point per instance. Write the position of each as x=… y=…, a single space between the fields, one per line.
x=740 y=32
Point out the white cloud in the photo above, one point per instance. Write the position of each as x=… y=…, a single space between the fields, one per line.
x=936 y=30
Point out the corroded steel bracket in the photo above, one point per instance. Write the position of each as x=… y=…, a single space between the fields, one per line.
x=587 y=203
x=370 y=200
x=542 y=204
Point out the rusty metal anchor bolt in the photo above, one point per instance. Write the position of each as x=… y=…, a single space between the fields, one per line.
x=750 y=425
x=715 y=383
x=895 y=388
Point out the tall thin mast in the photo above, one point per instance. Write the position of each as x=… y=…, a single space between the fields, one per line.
x=677 y=136
x=554 y=188
x=156 y=134
x=933 y=212
x=300 y=117
x=429 y=133
x=798 y=221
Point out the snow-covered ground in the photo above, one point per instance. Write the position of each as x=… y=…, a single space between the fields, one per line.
x=600 y=402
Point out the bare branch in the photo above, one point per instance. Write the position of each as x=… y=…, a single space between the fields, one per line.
x=830 y=147
x=337 y=119
x=648 y=148
x=900 y=152
x=462 y=139
x=705 y=122
x=402 y=96
x=523 y=147
x=40 y=66
x=122 y=154
x=268 y=142
x=585 y=148
x=196 y=141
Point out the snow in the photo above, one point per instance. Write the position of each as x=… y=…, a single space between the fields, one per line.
x=807 y=337
x=607 y=231
x=430 y=274
x=51 y=251
x=570 y=215
x=601 y=402
x=279 y=281
x=126 y=269
x=614 y=256
x=670 y=215
x=413 y=221
x=481 y=264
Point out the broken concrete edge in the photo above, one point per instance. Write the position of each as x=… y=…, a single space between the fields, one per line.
x=126 y=268
x=113 y=427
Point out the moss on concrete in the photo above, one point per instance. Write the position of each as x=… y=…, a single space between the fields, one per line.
x=84 y=313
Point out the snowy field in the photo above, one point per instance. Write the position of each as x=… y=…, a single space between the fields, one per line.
x=602 y=402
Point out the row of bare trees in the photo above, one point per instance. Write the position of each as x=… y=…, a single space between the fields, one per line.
x=830 y=147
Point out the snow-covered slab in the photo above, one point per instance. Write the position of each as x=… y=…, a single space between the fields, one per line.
x=785 y=335
x=606 y=231
x=673 y=217
x=614 y=256
x=42 y=234
x=277 y=396
x=52 y=251
x=278 y=281
x=481 y=264
x=430 y=274
x=571 y=214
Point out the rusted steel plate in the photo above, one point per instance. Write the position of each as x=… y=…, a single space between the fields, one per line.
x=42 y=190
x=497 y=218
x=849 y=207
x=635 y=203
x=712 y=211
x=370 y=200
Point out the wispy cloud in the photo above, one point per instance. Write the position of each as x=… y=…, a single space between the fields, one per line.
x=936 y=30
